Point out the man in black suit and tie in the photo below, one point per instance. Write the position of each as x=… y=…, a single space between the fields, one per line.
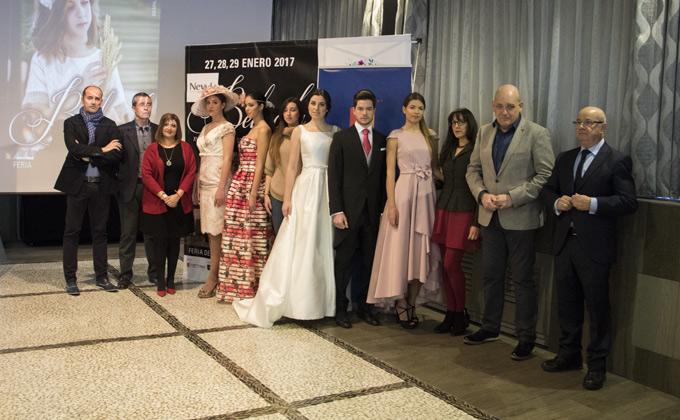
x=89 y=178
x=356 y=190
x=137 y=135
x=590 y=187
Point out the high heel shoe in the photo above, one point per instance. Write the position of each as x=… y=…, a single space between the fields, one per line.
x=411 y=322
x=171 y=291
x=204 y=294
x=160 y=293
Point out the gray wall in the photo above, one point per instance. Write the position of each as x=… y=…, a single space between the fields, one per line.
x=201 y=22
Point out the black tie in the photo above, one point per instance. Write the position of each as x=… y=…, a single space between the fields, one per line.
x=579 y=168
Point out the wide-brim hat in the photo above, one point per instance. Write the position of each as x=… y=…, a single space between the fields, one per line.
x=198 y=107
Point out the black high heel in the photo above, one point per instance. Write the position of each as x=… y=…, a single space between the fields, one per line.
x=409 y=323
x=413 y=319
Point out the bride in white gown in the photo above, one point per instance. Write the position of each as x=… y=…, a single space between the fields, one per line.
x=297 y=281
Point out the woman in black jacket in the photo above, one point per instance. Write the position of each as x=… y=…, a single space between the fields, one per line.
x=455 y=225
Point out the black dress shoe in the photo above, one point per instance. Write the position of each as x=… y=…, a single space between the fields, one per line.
x=124 y=282
x=594 y=380
x=72 y=288
x=446 y=324
x=368 y=317
x=105 y=284
x=342 y=320
x=480 y=337
x=562 y=364
x=523 y=351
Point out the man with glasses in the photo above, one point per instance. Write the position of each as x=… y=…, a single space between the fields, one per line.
x=137 y=135
x=591 y=186
x=511 y=161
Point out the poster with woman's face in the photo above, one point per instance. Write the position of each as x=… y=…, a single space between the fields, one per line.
x=67 y=45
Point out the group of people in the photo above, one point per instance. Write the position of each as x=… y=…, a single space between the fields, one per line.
x=312 y=209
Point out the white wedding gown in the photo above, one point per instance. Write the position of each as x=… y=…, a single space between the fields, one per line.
x=297 y=281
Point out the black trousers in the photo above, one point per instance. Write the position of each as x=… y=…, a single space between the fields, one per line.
x=497 y=245
x=96 y=203
x=579 y=278
x=130 y=214
x=354 y=260
x=165 y=249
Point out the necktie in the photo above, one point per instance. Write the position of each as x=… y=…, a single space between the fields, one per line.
x=365 y=142
x=144 y=129
x=579 y=168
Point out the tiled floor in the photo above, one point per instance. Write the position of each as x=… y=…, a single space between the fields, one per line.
x=133 y=354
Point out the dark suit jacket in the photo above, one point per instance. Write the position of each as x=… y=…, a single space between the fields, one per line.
x=456 y=195
x=129 y=166
x=72 y=175
x=608 y=179
x=352 y=183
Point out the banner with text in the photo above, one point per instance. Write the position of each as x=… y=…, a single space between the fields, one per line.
x=381 y=64
x=277 y=69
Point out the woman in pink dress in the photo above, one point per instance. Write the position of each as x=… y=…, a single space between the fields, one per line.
x=405 y=257
x=247 y=231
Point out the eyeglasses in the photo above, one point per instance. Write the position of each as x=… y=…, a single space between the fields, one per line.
x=458 y=123
x=586 y=123
x=501 y=107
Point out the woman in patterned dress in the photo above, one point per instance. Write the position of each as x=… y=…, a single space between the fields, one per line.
x=247 y=231
x=215 y=146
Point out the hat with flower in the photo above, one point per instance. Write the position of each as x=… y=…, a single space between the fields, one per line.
x=199 y=107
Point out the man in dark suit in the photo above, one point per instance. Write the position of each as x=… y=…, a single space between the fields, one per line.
x=356 y=190
x=590 y=187
x=509 y=165
x=137 y=135
x=89 y=178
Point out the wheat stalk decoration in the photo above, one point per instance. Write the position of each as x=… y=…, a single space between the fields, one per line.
x=110 y=46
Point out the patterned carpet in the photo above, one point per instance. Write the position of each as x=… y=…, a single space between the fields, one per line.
x=133 y=354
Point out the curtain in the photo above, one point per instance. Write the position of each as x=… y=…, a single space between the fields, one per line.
x=656 y=99
x=313 y=19
x=562 y=55
x=412 y=18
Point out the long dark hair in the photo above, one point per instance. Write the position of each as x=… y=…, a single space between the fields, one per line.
x=431 y=140
x=319 y=92
x=451 y=142
x=277 y=137
x=267 y=113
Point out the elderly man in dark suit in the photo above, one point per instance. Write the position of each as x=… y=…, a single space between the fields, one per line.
x=356 y=190
x=137 y=135
x=89 y=178
x=509 y=165
x=591 y=186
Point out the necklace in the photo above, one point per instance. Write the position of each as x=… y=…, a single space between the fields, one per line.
x=168 y=160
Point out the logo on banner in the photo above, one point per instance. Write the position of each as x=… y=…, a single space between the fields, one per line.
x=196 y=82
x=370 y=61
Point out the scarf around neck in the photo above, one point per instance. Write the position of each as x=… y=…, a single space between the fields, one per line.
x=92 y=120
